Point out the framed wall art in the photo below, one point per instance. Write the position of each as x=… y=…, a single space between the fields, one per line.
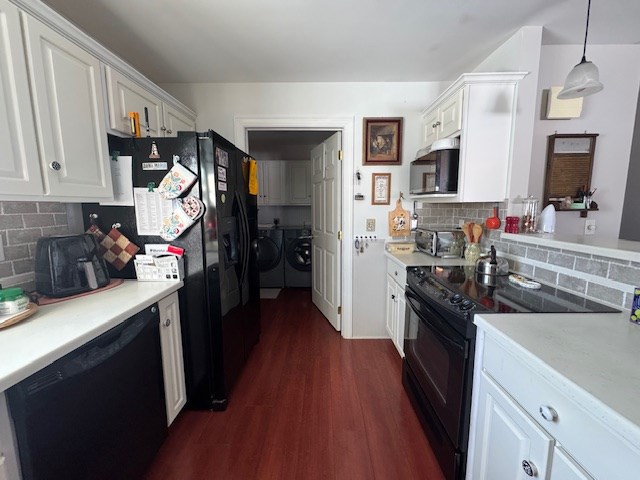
x=382 y=142
x=380 y=188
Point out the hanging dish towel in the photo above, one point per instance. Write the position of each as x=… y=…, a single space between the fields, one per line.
x=253 y=177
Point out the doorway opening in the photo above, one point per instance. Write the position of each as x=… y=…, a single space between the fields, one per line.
x=311 y=207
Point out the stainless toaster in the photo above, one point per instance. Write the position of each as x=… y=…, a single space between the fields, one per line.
x=445 y=243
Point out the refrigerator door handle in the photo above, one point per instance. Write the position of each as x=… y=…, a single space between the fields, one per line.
x=244 y=235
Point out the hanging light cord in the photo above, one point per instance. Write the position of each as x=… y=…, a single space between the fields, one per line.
x=586 y=32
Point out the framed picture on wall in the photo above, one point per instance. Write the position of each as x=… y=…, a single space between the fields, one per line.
x=382 y=142
x=380 y=188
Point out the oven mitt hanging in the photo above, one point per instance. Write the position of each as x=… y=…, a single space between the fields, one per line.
x=185 y=213
x=176 y=182
x=114 y=247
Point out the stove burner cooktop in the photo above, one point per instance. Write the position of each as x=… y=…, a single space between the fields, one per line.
x=457 y=290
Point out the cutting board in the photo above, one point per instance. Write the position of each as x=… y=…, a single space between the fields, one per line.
x=399 y=221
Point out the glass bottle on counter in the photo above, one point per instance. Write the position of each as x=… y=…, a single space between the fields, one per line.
x=529 y=214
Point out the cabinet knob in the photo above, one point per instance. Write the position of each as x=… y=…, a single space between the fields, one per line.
x=396 y=273
x=163 y=128
x=154 y=309
x=529 y=468
x=55 y=166
x=167 y=322
x=169 y=131
x=393 y=297
x=548 y=413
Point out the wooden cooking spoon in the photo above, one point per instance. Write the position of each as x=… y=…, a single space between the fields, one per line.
x=466 y=228
x=471 y=224
x=477 y=232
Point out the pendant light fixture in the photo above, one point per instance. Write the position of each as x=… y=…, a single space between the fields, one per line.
x=584 y=79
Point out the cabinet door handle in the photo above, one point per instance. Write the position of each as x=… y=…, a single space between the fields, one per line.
x=529 y=468
x=396 y=273
x=55 y=166
x=548 y=413
x=167 y=322
x=393 y=297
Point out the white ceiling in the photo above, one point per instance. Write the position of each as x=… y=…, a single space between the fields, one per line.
x=332 y=40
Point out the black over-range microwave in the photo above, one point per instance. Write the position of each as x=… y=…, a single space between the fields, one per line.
x=435 y=172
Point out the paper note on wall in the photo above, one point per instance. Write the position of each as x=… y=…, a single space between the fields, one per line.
x=253 y=177
x=122 y=179
x=151 y=208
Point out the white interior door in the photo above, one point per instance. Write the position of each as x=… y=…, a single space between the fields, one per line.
x=326 y=223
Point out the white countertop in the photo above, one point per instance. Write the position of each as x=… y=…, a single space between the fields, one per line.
x=419 y=259
x=592 y=244
x=597 y=353
x=57 y=329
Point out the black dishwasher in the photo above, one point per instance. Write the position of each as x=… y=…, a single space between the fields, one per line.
x=99 y=411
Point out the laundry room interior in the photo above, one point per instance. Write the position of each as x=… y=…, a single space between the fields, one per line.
x=284 y=206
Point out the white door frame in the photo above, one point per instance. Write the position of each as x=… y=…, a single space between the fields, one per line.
x=242 y=126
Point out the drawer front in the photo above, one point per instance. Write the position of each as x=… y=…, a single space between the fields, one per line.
x=594 y=445
x=397 y=272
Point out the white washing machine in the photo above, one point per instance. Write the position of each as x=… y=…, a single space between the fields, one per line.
x=297 y=253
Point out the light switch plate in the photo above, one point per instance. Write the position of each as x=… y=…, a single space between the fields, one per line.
x=371 y=224
x=590 y=226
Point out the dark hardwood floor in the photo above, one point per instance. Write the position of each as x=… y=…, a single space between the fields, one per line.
x=308 y=405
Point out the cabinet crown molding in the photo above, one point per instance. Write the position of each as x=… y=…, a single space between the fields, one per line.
x=476 y=78
x=64 y=27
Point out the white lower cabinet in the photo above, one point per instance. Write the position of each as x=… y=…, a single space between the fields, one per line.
x=566 y=468
x=395 y=304
x=518 y=415
x=172 y=359
x=513 y=445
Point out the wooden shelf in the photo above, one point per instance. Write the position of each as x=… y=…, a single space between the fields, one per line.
x=583 y=211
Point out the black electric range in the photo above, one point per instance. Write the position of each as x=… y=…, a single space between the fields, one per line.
x=458 y=293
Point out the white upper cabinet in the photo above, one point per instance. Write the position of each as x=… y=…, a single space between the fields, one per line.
x=444 y=119
x=175 y=121
x=67 y=92
x=126 y=96
x=299 y=182
x=19 y=165
x=480 y=108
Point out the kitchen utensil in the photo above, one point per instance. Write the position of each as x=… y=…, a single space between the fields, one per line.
x=466 y=228
x=491 y=264
x=477 y=232
x=493 y=222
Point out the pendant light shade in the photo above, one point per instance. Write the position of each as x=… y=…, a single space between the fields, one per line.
x=584 y=79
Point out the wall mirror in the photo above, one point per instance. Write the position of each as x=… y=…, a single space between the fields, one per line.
x=569 y=167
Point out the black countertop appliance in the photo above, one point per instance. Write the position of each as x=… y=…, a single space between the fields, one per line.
x=219 y=304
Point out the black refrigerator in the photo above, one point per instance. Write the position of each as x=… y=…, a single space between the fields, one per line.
x=219 y=303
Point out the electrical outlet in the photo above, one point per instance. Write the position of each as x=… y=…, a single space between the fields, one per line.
x=590 y=226
x=460 y=223
x=371 y=224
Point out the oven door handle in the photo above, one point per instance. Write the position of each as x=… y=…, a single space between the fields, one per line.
x=411 y=298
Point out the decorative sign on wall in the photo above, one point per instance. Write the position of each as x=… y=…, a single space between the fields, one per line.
x=380 y=188
x=382 y=141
